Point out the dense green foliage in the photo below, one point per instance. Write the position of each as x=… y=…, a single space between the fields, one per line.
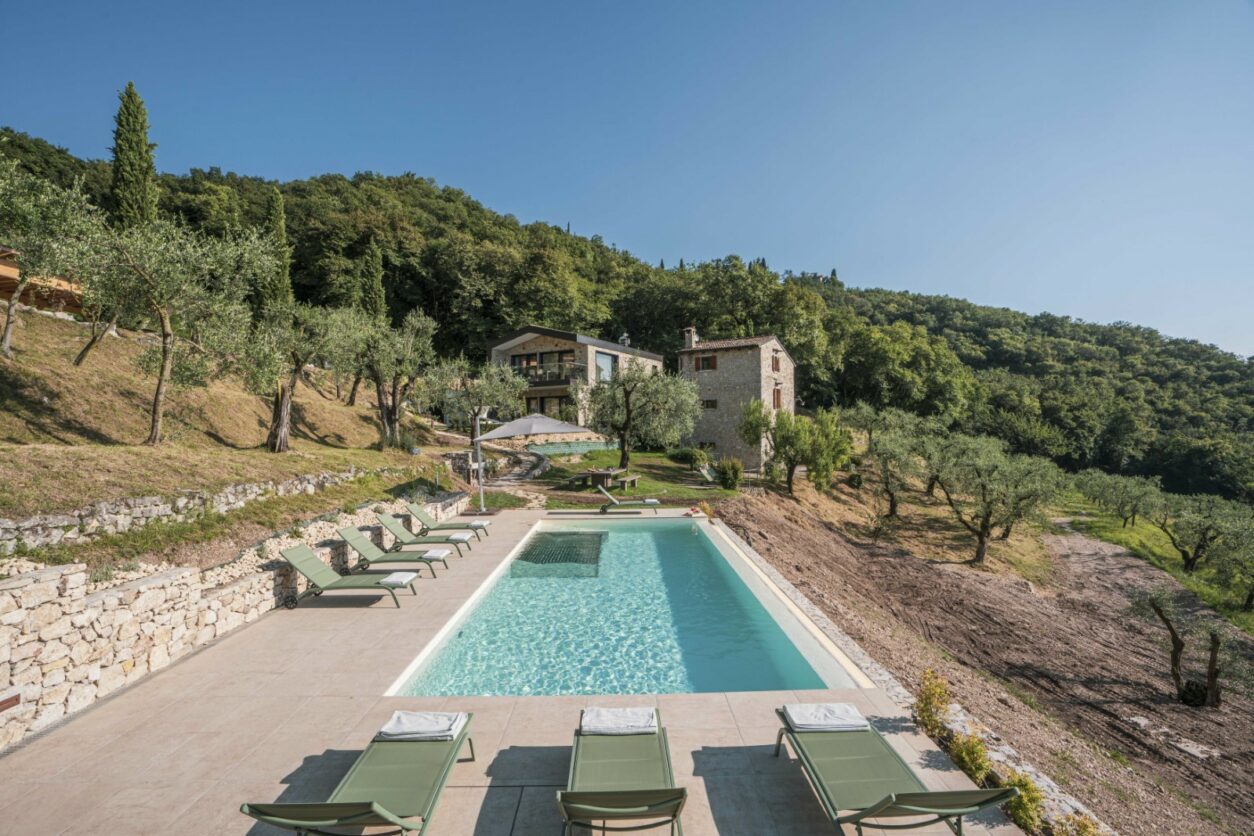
x=1117 y=397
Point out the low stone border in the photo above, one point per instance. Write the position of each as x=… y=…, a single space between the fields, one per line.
x=62 y=649
x=114 y=516
x=1058 y=803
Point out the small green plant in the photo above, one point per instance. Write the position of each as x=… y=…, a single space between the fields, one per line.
x=931 y=708
x=730 y=471
x=971 y=756
x=694 y=457
x=1076 y=824
x=854 y=481
x=1028 y=807
x=100 y=573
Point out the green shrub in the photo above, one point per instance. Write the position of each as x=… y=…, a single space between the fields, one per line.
x=1076 y=824
x=971 y=756
x=931 y=708
x=730 y=471
x=772 y=472
x=1027 y=808
x=694 y=457
x=854 y=480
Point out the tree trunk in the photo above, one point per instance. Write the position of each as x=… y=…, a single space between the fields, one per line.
x=10 y=318
x=1190 y=560
x=624 y=447
x=1005 y=532
x=1125 y=522
x=1177 y=648
x=385 y=412
x=1212 y=672
x=1249 y=600
x=281 y=417
x=352 y=393
x=163 y=378
x=96 y=337
x=892 y=502
x=932 y=482
x=981 y=546
x=792 y=472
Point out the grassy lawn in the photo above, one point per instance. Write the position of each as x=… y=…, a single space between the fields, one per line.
x=499 y=500
x=659 y=477
x=1147 y=542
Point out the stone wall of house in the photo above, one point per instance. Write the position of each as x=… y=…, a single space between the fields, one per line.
x=62 y=649
x=114 y=516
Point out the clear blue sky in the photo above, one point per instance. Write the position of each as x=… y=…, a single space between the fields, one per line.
x=1090 y=159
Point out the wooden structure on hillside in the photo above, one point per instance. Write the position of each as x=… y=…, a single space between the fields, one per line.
x=51 y=293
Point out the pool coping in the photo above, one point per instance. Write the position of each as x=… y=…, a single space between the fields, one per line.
x=848 y=654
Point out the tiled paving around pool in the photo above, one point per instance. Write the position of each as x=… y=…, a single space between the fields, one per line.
x=280 y=709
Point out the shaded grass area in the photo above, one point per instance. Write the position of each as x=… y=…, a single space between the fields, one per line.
x=499 y=500
x=156 y=541
x=659 y=477
x=1147 y=542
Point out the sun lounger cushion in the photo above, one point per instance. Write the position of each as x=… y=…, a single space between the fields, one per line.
x=458 y=538
x=618 y=721
x=399 y=579
x=825 y=716
x=652 y=501
x=422 y=725
x=480 y=524
x=430 y=554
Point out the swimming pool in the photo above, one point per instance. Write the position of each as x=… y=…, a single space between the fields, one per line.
x=618 y=607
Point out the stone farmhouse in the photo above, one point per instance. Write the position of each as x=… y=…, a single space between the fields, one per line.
x=552 y=361
x=729 y=374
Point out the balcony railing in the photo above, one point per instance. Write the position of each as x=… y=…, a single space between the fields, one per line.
x=553 y=372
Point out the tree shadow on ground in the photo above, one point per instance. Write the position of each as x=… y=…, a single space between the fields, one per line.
x=40 y=410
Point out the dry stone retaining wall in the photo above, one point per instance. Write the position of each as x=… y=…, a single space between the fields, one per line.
x=111 y=517
x=61 y=648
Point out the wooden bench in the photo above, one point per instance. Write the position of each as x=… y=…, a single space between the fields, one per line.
x=624 y=481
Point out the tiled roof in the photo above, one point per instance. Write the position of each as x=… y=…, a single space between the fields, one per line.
x=738 y=342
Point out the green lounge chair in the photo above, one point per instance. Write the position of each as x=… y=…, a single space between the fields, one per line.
x=322 y=578
x=405 y=537
x=393 y=782
x=614 y=502
x=428 y=523
x=624 y=777
x=859 y=773
x=368 y=553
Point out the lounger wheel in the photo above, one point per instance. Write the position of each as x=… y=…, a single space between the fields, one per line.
x=364 y=564
x=290 y=602
x=346 y=571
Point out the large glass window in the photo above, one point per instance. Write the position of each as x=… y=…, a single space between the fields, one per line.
x=606 y=363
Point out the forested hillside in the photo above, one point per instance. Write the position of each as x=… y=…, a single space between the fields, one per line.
x=1119 y=397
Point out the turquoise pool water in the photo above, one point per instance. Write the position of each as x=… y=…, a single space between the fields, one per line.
x=648 y=606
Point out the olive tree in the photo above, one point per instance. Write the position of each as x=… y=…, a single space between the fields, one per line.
x=821 y=444
x=641 y=407
x=1184 y=625
x=394 y=359
x=48 y=226
x=195 y=289
x=1195 y=524
x=1127 y=497
x=474 y=392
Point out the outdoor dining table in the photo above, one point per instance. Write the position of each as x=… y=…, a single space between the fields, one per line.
x=605 y=478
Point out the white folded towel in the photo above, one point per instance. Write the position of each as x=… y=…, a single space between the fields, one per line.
x=399 y=579
x=422 y=725
x=618 y=721
x=436 y=554
x=459 y=538
x=825 y=716
x=479 y=523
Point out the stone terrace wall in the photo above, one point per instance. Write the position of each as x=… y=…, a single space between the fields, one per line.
x=61 y=649
x=111 y=517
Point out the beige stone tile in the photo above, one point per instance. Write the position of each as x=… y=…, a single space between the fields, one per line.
x=530 y=765
x=757 y=708
x=696 y=711
x=538 y=814
x=704 y=752
x=727 y=805
x=216 y=812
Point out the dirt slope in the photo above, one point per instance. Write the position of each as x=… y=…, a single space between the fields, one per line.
x=1067 y=650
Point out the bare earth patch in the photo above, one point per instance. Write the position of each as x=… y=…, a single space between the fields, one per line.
x=1059 y=671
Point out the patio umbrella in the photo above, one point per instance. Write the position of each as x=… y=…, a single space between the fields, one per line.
x=533 y=424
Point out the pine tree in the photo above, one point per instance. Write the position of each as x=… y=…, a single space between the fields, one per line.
x=373 y=298
x=133 y=193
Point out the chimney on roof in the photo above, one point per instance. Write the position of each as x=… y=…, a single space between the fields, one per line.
x=624 y=340
x=690 y=336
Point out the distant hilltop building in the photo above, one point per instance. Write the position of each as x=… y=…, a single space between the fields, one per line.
x=552 y=361
x=729 y=374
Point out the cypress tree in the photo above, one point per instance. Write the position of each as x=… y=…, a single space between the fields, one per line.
x=373 y=298
x=133 y=192
x=278 y=291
